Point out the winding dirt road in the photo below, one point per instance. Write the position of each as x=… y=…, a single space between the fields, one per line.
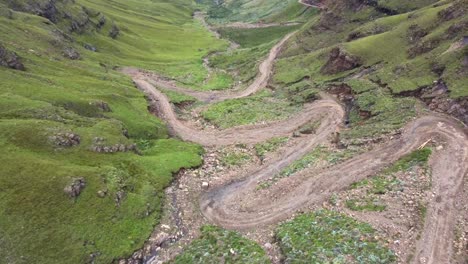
x=221 y=205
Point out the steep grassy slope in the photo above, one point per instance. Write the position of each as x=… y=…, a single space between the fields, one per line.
x=368 y=48
x=256 y=10
x=69 y=122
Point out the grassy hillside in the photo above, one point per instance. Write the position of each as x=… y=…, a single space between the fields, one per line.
x=408 y=50
x=70 y=120
x=225 y=11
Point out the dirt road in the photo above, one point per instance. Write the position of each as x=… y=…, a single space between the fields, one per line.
x=222 y=205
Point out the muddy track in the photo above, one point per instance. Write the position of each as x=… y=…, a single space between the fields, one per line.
x=222 y=205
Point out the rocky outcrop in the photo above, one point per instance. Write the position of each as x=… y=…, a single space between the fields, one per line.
x=330 y=20
x=415 y=33
x=75 y=188
x=458 y=9
x=114 y=31
x=103 y=106
x=455 y=29
x=10 y=59
x=90 y=47
x=71 y=53
x=65 y=139
x=100 y=147
x=340 y=61
x=423 y=47
x=437 y=98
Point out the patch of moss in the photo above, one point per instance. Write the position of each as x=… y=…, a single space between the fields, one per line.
x=329 y=237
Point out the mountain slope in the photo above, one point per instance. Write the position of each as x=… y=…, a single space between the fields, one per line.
x=69 y=121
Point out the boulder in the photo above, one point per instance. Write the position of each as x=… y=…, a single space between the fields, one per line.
x=10 y=59
x=90 y=47
x=114 y=32
x=74 y=189
x=71 y=53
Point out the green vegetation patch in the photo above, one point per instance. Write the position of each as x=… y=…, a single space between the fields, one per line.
x=329 y=237
x=226 y=11
x=320 y=153
x=248 y=38
x=234 y=158
x=250 y=110
x=273 y=144
x=386 y=181
x=221 y=246
x=377 y=112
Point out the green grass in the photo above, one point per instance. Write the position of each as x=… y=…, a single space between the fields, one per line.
x=367 y=204
x=231 y=159
x=250 y=110
x=261 y=149
x=38 y=222
x=221 y=246
x=257 y=10
x=386 y=181
x=248 y=38
x=387 y=113
x=242 y=64
x=179 y=98
x=329 y=237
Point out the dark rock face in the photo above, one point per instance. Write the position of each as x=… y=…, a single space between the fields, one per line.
x=10 y=59
x=456 y=10
x=456 y=29
x=340 y=61
x=71 y=53
x=49 y=11
x=76 y=186
x=329 y=21
x=437 y=99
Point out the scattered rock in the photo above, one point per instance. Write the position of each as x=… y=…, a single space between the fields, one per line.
x=205 y=185
x=114 y=32
x=71 y=53
x=101 y=22
x=102 y=193
x=65 y=139
x=119 y=196
x=340 y=61
x=161 y=238
x=76 y=186
x=103 y=106
x=90 y=47
x=10 y=59
x=114 y=148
